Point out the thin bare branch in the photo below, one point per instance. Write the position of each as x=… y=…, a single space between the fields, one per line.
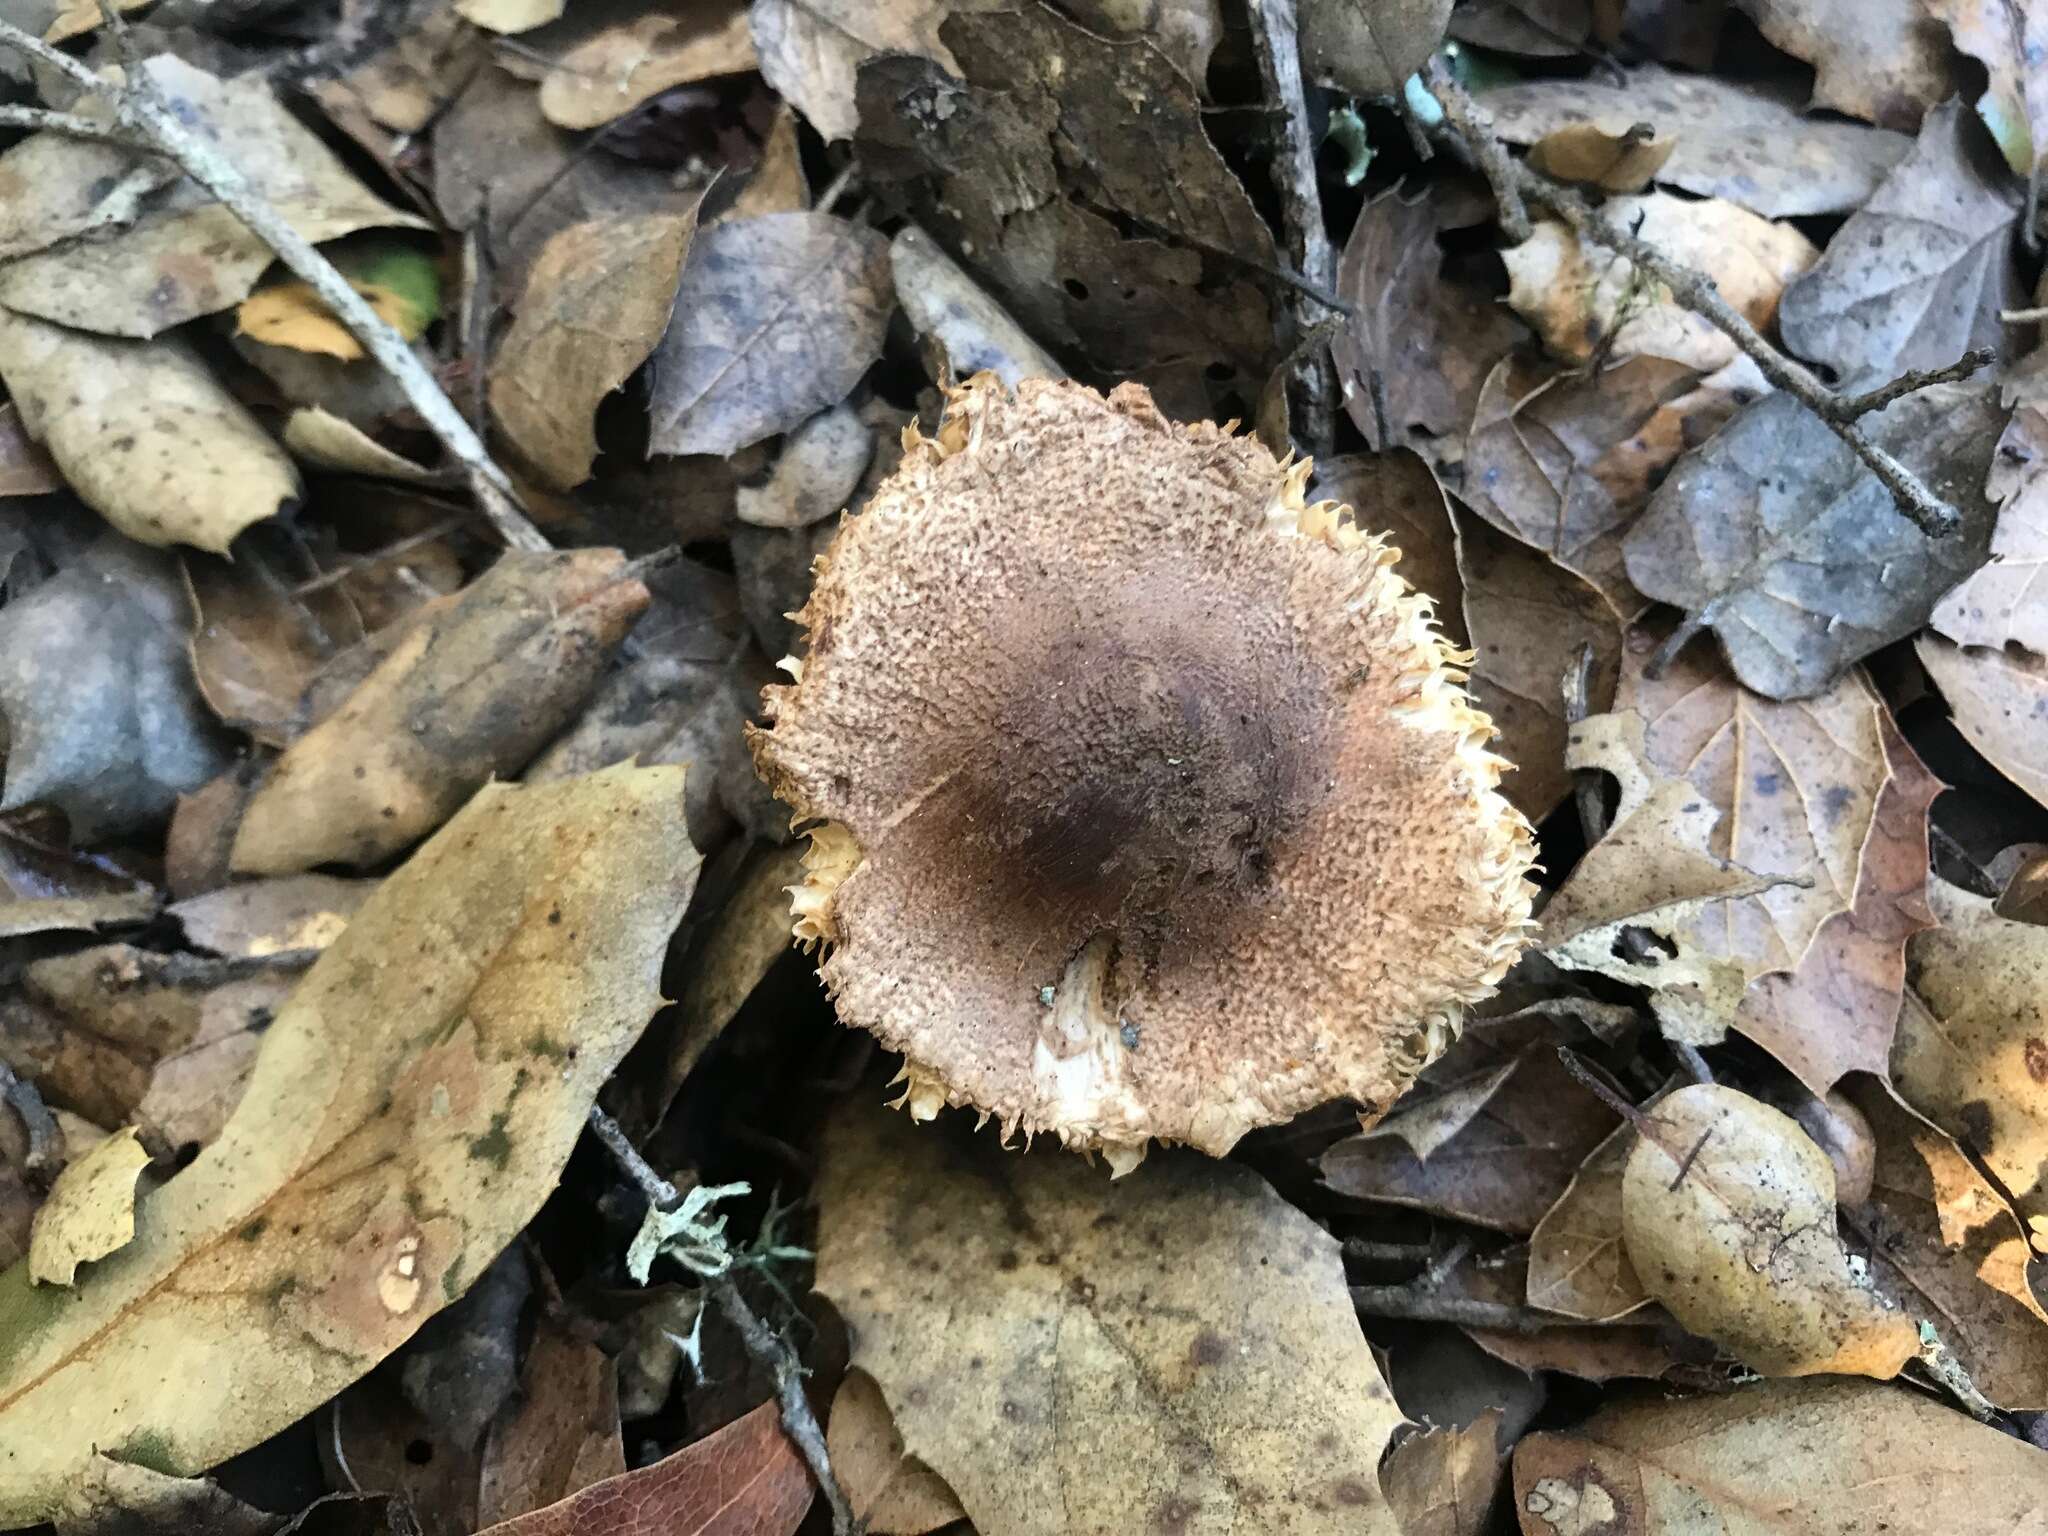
x=1474 y=133
x=1430 y=1307
x=70 y=124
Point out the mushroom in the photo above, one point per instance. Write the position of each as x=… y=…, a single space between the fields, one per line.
x=1144 y=798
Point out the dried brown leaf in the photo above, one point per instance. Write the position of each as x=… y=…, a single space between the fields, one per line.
x=1746 y=141
x=2010 y=39
x=776 y=318
x=603 y=77
x=744 y=1480
x=563 y=1433
x=144 y=433
x=467 y=693
x=268 y=917
x=1116 y=1324
x=1595 y=156
x=811 y=50
x=1918 y=275
x=595 y=306
x=1999 y=699
x=1781 y=1458
x=2005 y=601
x=1369 y=52
x=121 y=1498
x=1443 y=1482
x=90 y=1212
x=1728 y=1213
x=891 y=1493
x=412 y=1106
x=25 y=469
x=1578 y=1264
x=256 y=646
x=1880 y=60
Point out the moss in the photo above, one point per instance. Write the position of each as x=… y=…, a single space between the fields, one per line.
x=150 y=1448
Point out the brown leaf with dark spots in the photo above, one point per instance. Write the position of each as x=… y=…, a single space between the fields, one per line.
x=596 y=303
x=744 y=1480
x=776 y=318
x=1836 y=1010
x=892 y=1493
x=469 y=693
x=561 y=1436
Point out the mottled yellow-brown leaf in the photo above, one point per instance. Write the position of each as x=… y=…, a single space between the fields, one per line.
x=90 y=1212
x=412 y=1106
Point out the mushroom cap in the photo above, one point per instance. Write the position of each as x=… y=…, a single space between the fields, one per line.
x=1145 y=799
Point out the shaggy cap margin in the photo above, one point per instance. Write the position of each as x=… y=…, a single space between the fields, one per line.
x=1145 y=800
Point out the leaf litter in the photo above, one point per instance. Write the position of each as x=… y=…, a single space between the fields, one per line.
x=381 y=698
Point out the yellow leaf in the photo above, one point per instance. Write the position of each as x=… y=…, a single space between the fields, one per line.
x=292 y=315
x=90 y=1212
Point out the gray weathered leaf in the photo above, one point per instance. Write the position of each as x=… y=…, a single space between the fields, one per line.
x=103 y=718
x=1918 y=275
x=811 y=50
x=1369 y=50
x=2005 y=601
x=1747 y=141
x=777 y=317
x=1778 y=537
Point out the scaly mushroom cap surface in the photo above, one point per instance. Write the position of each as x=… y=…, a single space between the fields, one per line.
x=1145 y=799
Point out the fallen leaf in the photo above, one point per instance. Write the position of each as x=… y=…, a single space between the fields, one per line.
x=811 y=50
x=1589 y=302
x=2009 y=38
x=509 y=16
x=1421 y=343
x=1748 y=141
x=776 y=318
x=1602 y=158
x=1540 y=29
x=1972 y=1047
x=256 y=645
x=90 y=1212
x=1918 y=275
x=1835 y=1012
x=1780 y=539
x=1564 y=462
x=744 y=1480
x=1728 y=1213
x=323 y=440
x=596 y=303
x=1998 y=603
x=1649 y=1345
x=1369 y=52
x=394 y=1451
x=103 y=721
x=1874 y=59
x=1578 y=1263
x=1528 y=620
x=892 y=1494
x=144 y=434
x=392 y=1139
x=20 y=916
x=1395 y=494
x=601 y=78
x=268 y=917
x=815 y=474
x=1796 y=785
x=1797 y=1458
x=1999 y=699
x=1503 y=1169
x=25 y=469
x=1116 y=1323
x=563 y=1434
x=401 y=283
x=1186 y=31
x=472 y=692
x=1946 y=1248
x=956 y=314
x=117 y=1498
x=187 y=255
x=405 y=83
x=75 y=18
x=1443 y=1482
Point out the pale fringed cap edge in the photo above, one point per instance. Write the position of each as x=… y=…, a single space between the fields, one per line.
x=1439 y=705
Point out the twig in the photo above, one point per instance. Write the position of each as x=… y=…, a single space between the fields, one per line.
x=45 y=1158
x=1906 y=383
x=1276 y=41
x=142 y=112
x=70 y=124
x=1696 y=291
x=1694 y=1063
x=1587 y=792
x=1467 y=1312
x=768 y=1348
x=1474 y=132
x=1371 y=1251
x=2024 y=316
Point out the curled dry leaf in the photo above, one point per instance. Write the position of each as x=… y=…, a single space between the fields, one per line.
x=811 y=50
x=1879 y=60
x=403 y=1123
x=601 y=78
x=1115 y=1326
x=90 y=1212
x=743 y=1480
x=776 y=318
x=1835 y=1011
x=1728 y=1211
x=1747 y=141
x=1420 y=343
x=317 y=437
x=470 y=692
x=1999 y=699
x=144 y=433
x=892 y=1494
x=1918 y=275
x=596 y=303
x=1944 y=1246
x=1626 y=159
x=1779 y=538
x=103 y=721
x=1792 y=1458
x=186 y=255
x=257 y=645
x=1973 y=1056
